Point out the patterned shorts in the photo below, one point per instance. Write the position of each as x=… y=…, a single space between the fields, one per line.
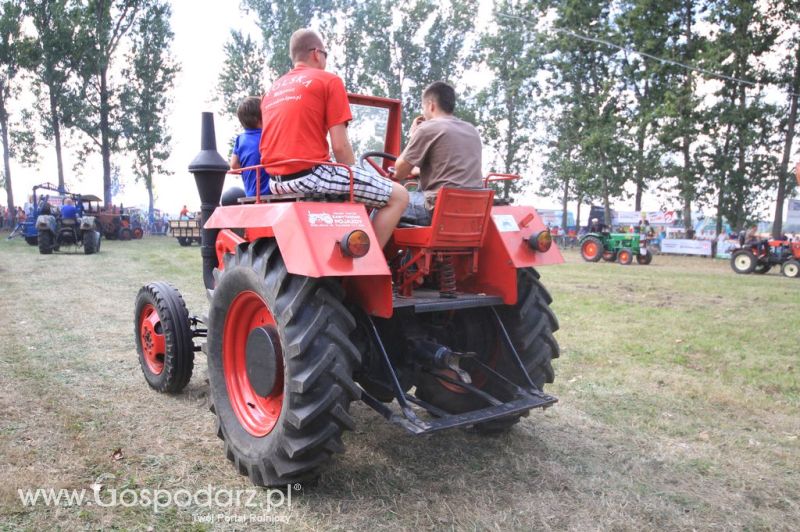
x=369 y=189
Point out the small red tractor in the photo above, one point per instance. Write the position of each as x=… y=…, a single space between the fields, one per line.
x=760 y=257
x=448 y=326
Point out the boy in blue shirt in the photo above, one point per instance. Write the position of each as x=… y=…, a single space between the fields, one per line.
x=245 y=149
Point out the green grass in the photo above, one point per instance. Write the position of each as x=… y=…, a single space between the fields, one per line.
x=678 y=388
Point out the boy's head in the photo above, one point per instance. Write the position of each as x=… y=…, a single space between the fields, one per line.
x=249 y=112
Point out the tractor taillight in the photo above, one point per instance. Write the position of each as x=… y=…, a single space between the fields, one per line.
x=541 y=241
x=355 y=243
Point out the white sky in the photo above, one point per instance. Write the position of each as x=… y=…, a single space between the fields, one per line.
x=201 y=28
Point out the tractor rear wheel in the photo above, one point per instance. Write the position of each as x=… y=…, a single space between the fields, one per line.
x=762 y=268
x=46 y=242
x=791 y=268
x=743 y=261
x=163 y=337
x=91 y=242
x=184 y=242
x=645 y=259
x=280 y=366
x=591 y=249
x=530 y=325
x=625 y=256
x=124 y=233
x=32 y=240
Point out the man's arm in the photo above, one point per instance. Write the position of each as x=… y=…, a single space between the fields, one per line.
x=340 y=144
x=402 y=168
x=235 y=164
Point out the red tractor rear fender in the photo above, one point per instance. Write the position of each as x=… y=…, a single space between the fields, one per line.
x=308 y=235
x=506 y=249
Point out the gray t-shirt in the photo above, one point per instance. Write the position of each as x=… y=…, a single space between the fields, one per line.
x=448 y=153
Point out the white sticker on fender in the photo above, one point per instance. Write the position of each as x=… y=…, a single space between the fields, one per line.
x=505 y=223
x=334 y=219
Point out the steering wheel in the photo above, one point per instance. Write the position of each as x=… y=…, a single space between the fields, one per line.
x=367 y=158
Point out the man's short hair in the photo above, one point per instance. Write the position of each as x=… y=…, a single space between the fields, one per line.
x=301 y=44
x=443 y=94
x=249 y=112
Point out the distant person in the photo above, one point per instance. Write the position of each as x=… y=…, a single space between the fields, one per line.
x=246 y=146
x=184 y=213
x=68 y=210
x=596 y=226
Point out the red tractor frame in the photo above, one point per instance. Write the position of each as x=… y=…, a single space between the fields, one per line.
x=760 y=257
x=448 y=326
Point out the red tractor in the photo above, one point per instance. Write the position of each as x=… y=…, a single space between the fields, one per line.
x=760 y=257
x=448 y=326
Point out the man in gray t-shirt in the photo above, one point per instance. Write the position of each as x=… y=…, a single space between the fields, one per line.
x=446 y=150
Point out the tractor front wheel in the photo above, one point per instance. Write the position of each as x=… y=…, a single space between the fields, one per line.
x=791 y=268
x=743 y=261
x=644 y=259
x=138 y=233
x=32 y=240
x=124 y=233
x=184 y=242
x=591 y=249
x=280 y=366
x=625 y=256
x=163 y=337
x=91 y=242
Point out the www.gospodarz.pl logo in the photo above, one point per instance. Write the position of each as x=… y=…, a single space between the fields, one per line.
x=266 y=500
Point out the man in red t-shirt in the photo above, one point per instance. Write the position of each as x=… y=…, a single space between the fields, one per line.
x=298 y=113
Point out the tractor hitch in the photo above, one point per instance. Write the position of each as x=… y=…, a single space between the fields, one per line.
x=439 y=356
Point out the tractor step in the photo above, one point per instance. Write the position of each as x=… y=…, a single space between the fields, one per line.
x=415 y=425
x=427 y=300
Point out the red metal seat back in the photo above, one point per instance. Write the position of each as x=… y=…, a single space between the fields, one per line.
x=460 y=219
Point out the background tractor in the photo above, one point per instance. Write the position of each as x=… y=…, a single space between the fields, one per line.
x=449 y=326
x=620 y=247
x=54 y=231
x=760 y=257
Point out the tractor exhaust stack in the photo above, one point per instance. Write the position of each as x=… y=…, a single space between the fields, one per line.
x=209 y=169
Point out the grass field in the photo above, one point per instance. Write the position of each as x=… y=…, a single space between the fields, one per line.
x=679 y=409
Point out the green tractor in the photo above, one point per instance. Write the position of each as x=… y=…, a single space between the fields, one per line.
x=620 y=247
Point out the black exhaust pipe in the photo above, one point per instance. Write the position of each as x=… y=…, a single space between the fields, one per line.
x=209 y=169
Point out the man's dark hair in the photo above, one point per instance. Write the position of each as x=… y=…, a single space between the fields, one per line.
x=249 y=112
x=444 y=94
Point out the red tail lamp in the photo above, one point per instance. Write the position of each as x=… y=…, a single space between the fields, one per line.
x=541 y=241
x=355 y=244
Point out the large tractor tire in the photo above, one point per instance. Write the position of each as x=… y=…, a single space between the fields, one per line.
x=530 y=324
x=743 y=261
x=124 y=233
x=138 y=233
x=791 y=268
x=184 y=241
x=32 y=240
x=91 y=242
x=163 y=337
x=46 y=242
x=280 y=366
x=625 y=256
x=609 y=255
x=762 y=268
x=591 y=249
x=645 y=259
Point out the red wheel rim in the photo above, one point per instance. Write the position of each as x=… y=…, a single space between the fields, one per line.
x=138 y=233
x=623 y=256
x=151 y=334
x=257 y=415
x=590 y=249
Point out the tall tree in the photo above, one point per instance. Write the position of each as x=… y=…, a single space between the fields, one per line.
x=56 y=25
x=145 y=98
x=104 y=23
x=508 y=104
x=242 y=73
x=11 y=55
x=788 y=16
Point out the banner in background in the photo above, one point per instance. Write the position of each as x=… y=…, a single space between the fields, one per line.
x=553 y=217
x=634 y=217
x=686 y=247
x=793 y=212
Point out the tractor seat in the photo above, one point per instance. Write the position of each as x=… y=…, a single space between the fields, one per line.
x=309 y=196
x=69 y=221
x=460 y=219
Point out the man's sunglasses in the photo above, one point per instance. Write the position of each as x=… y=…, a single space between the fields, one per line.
x=323 y=52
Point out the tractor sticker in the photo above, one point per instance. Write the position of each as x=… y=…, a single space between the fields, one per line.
x=505 y=223
x=334 y=219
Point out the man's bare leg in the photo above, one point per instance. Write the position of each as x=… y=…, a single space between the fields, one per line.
x=386 y=218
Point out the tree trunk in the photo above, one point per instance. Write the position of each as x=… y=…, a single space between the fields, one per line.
x=606 y=202
x=564 y=201
x=687 y=187
x=741 y=160
x=6 y=156
x=105 y=140
x=578 y=211
x=149 y=183
x=777 y=224
x=55 y=122
x=640 y=167
x=723 y=178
